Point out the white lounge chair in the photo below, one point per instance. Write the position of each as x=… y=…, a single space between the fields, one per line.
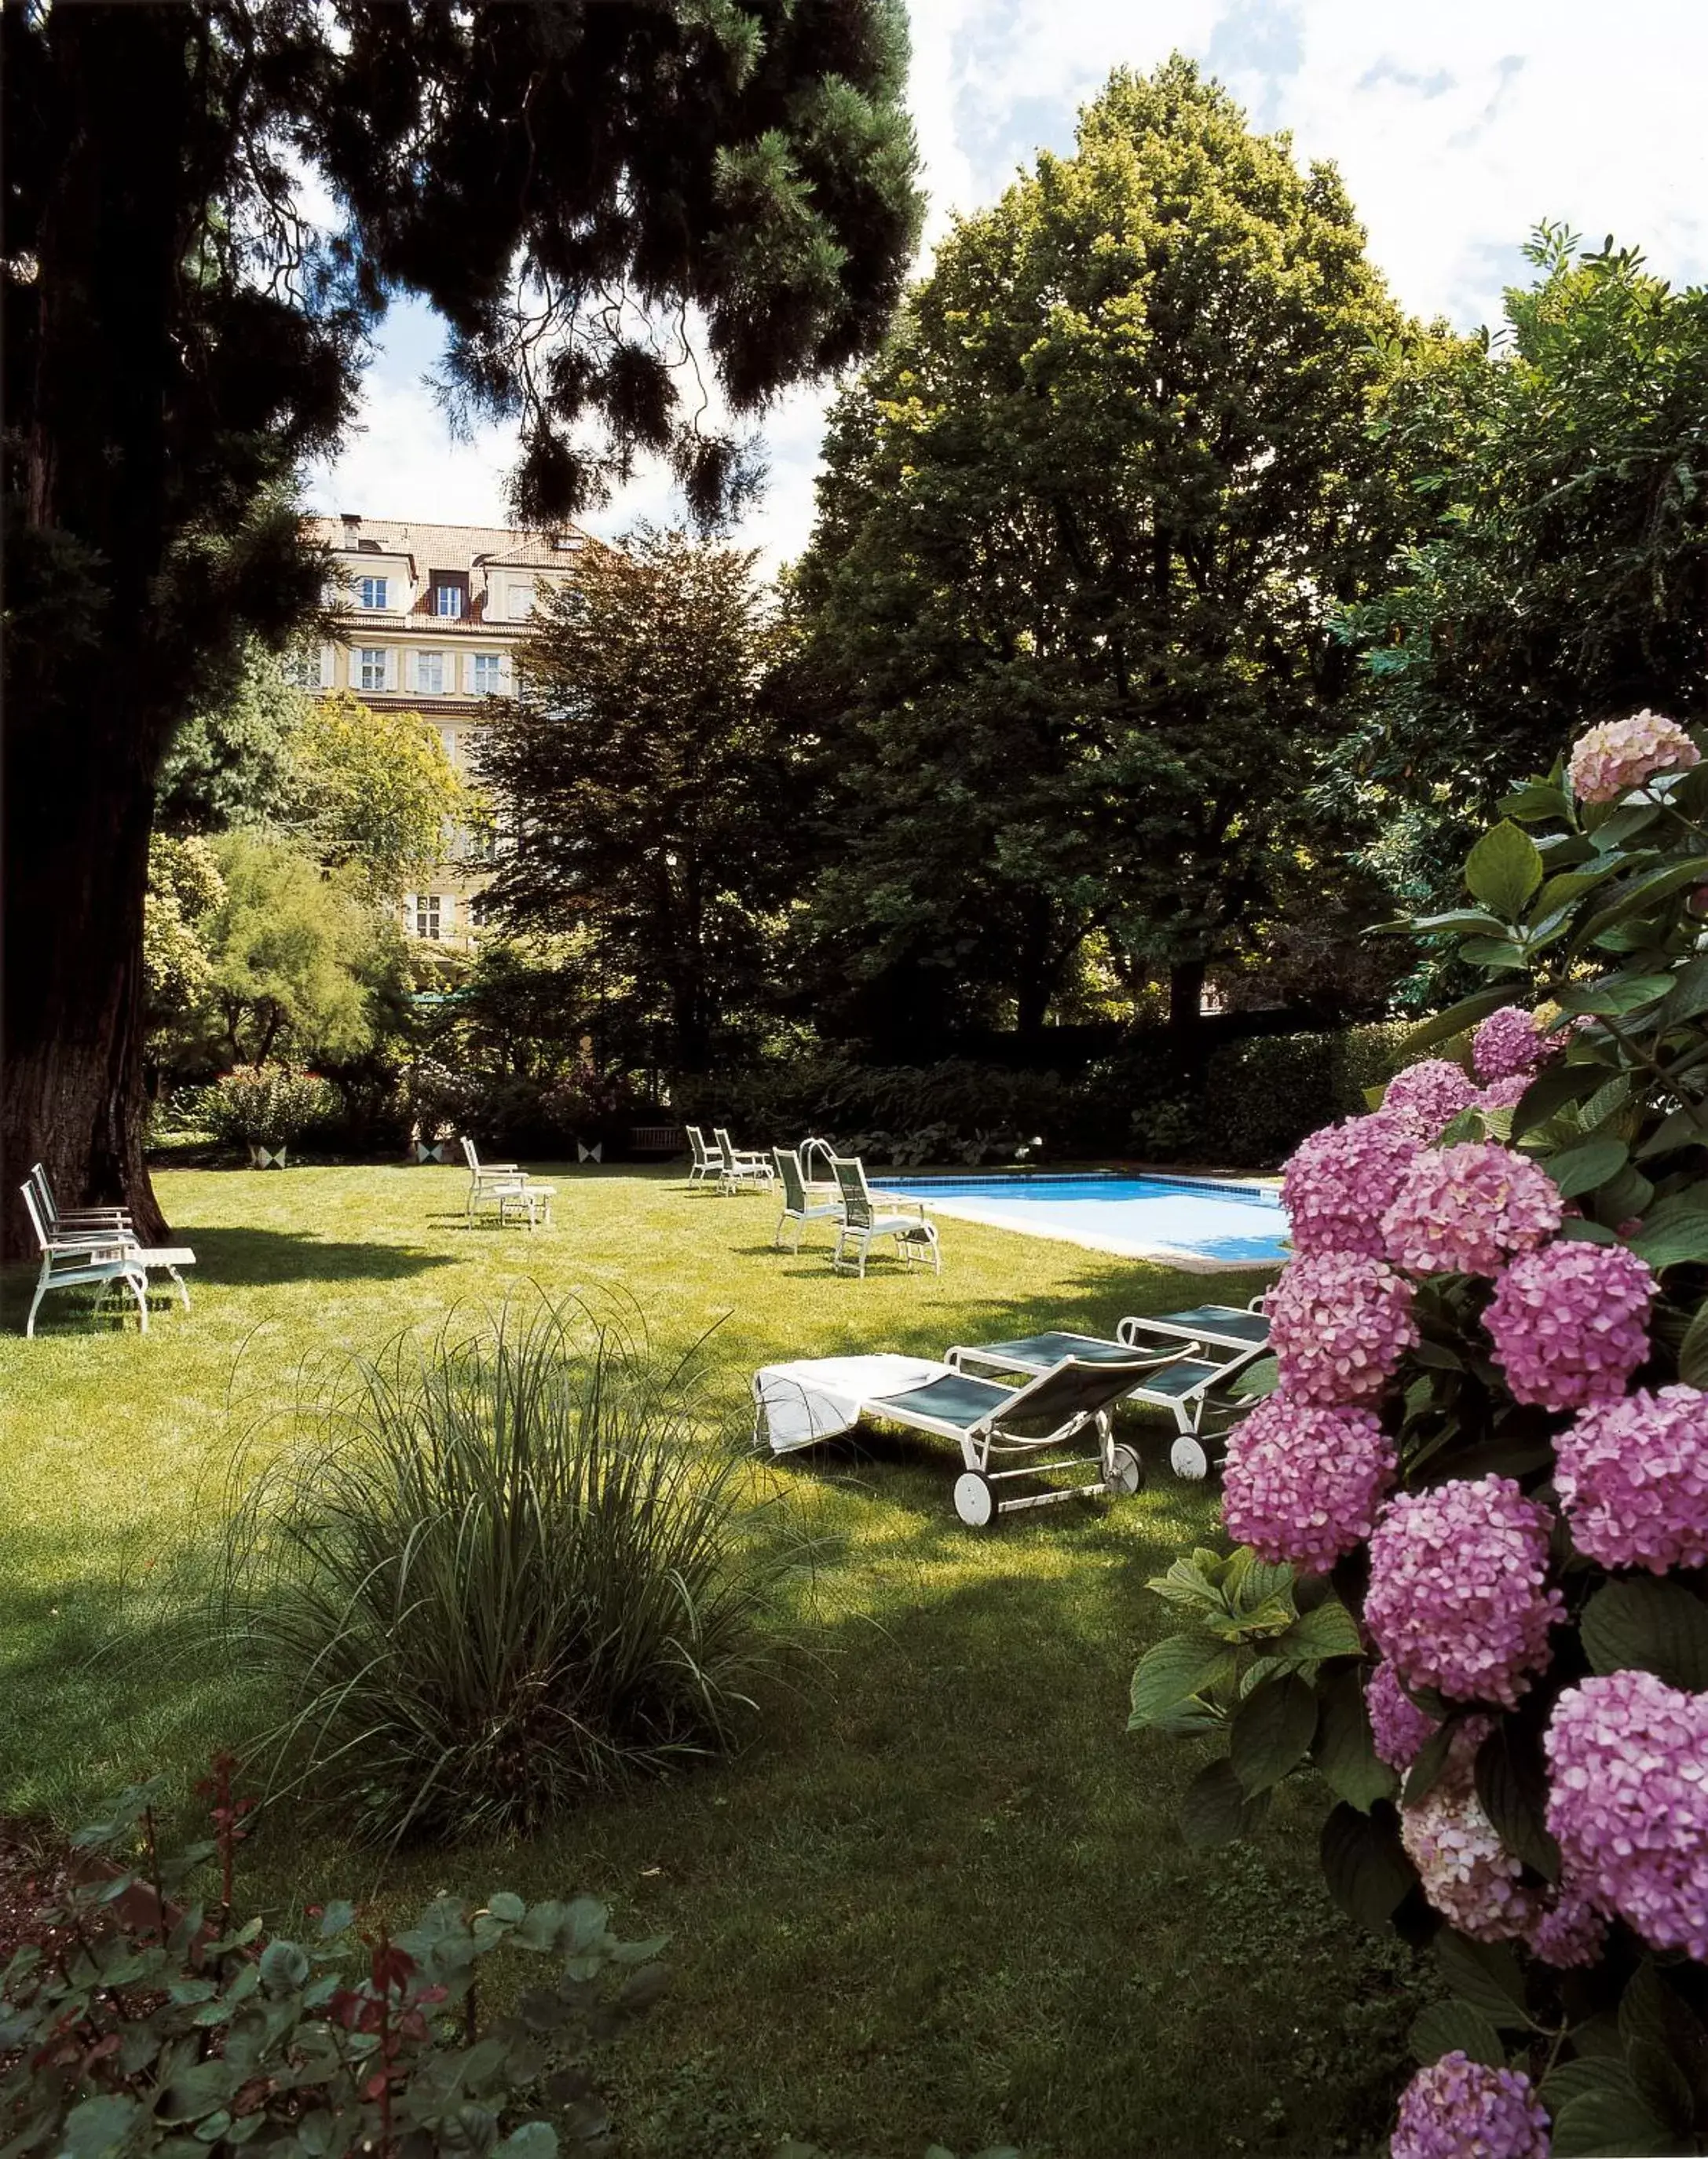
x=861 y=1222
x=739 y=1172
x=505 y=1186
x=70 y=1264
x=75 y=1225
x=708 y=1164
x=802 y=1203
x=1022 y=1428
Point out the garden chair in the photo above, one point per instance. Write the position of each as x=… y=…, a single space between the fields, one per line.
x=862 y=1223
x=799 y=1204
x=707 y=1162
x=505 y=1186
x=70 y=1264
x=739 y=1172
x=1023 y=1429
x=84 y=1225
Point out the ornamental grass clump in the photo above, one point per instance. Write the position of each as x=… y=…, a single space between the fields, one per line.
x=497 y=1573
x=1473 y=1514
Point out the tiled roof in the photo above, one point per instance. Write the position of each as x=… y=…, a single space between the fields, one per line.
x=452 y=546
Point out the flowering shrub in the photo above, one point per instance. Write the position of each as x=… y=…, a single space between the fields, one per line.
x=1464 y=1210
x=1342 y=1181
x=1456 y=1600
x=1633 y=1477
x=268 y=1107
x=1570 y=1324
x=1628 y=1802
x=1302 y=1484
x=1459 y=2107
x=1339 y=1323
x=1493 y=1483
x=1621 y=754
x=1426 y=1097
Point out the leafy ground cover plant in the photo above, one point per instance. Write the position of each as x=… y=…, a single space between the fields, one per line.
x=1472 y=1514
x=133 y=2024
x=500 y=1572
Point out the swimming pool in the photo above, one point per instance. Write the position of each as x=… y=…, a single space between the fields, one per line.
x=1200 y=1223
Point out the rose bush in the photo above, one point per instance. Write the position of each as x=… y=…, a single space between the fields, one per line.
x=1472 y=1586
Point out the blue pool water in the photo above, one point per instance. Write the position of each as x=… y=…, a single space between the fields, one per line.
x=1189 y=1218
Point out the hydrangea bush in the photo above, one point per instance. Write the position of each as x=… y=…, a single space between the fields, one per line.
x=1471 y=1585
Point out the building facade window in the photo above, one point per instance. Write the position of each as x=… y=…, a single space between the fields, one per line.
x=484 y=671
x=448 y=601
x=428 y=916
x=371 y=667
x=522 y=598
x=371 y=591
x=477 y=911
x=302 y=666
x=430 y=672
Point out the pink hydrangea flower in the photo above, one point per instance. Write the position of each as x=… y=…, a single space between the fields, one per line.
x=1303 y=1483
x=1628 y=1758
x=1426 y=1097
x=1633 y=1476
x=1458 y=2108
x=1338 y=1183
x=1508 y=1044
x=1398 y=1726
x=1466 y=1209
x=1620 y=754
x=1504 y=1094
x=1569 y=1931
x=1570 y=1324
x=1339 y=1323
x=1468 y=1874
x=1456 y=1595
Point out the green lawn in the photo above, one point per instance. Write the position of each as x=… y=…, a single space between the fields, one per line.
x=943 y=1896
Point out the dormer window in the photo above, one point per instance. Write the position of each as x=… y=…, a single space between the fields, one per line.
x=450 y=590
x=371 y=591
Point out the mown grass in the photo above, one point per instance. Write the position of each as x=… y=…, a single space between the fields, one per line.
x=943 y=1896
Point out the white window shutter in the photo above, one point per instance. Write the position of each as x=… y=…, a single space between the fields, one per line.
x=506 y=672
x=447 y=914
x=326 y=666
x=391 y=667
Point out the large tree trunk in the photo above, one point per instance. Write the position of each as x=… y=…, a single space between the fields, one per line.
x=89 y=709
x=76 y=864
x=1186 y=986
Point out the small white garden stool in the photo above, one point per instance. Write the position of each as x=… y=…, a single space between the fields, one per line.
x=169 y=1258
x=531 y=1199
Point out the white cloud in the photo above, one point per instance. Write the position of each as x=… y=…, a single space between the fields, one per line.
x=1456 y=128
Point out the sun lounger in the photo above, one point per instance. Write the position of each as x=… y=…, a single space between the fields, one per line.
x=75 y=1262
x=1022 y=1428
x=1182 y=1387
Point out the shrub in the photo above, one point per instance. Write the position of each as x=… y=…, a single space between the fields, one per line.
x=1492 y=1643
x=1262 y=1095
x=500 y=1573
x=146 y=2028
x=268 y=1107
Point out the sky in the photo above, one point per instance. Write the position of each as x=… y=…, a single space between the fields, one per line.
x=1456 y=127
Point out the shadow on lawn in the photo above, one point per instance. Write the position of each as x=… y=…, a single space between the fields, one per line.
x=239 y=1257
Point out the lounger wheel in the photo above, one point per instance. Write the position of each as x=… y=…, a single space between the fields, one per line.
x=975 y=1499
x=1189 y=1458
x=1126 y=1472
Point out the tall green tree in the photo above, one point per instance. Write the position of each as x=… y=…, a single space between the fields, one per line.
x=649 y=780
x=1082 y=528
x=1564 y=462
x=567 y=183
